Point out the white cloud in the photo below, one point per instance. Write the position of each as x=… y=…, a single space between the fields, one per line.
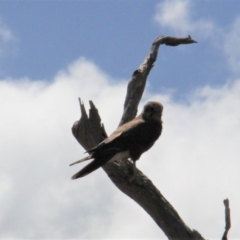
x=231 y=46
x=6 y=37
x=195 y=164
x=176 y=16
x=198 y=155
x=5 y=33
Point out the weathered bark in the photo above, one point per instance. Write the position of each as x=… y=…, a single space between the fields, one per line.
x=90 y=131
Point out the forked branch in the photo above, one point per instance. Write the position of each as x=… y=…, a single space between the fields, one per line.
x=89 y=131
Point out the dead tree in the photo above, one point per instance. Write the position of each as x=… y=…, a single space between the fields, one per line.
x=89 y=131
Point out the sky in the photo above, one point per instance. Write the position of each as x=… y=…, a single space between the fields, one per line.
x=52 y=52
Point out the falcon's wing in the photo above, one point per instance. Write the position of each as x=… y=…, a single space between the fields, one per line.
x=120 y=133
x=111 y=144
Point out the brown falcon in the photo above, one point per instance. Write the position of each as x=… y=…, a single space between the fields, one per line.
x=128 y=141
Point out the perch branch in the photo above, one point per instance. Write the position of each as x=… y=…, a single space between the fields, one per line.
x=146 y=195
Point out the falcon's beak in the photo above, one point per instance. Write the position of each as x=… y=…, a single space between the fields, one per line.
x=157 y=115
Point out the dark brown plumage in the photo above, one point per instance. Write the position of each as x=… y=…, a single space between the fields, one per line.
x=128 y=141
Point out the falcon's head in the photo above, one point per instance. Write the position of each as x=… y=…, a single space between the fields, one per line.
x=152 y=111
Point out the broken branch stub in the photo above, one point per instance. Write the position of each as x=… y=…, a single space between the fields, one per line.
x=88 y=130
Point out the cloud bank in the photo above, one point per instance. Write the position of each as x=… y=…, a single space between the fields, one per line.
x=195 y=163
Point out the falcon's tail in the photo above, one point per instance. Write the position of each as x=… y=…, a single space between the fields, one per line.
x=82 y=160
x=92 y=166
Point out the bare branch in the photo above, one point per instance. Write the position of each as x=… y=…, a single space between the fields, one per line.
x=227 y=219
x=137 y=83
x=120 y=172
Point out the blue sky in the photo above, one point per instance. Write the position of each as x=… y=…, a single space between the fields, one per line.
x=116 y=35
x=52 y=52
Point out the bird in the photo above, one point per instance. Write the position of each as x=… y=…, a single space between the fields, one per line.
x=129 y=140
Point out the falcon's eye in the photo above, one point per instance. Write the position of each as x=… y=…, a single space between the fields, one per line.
x=150 y=108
